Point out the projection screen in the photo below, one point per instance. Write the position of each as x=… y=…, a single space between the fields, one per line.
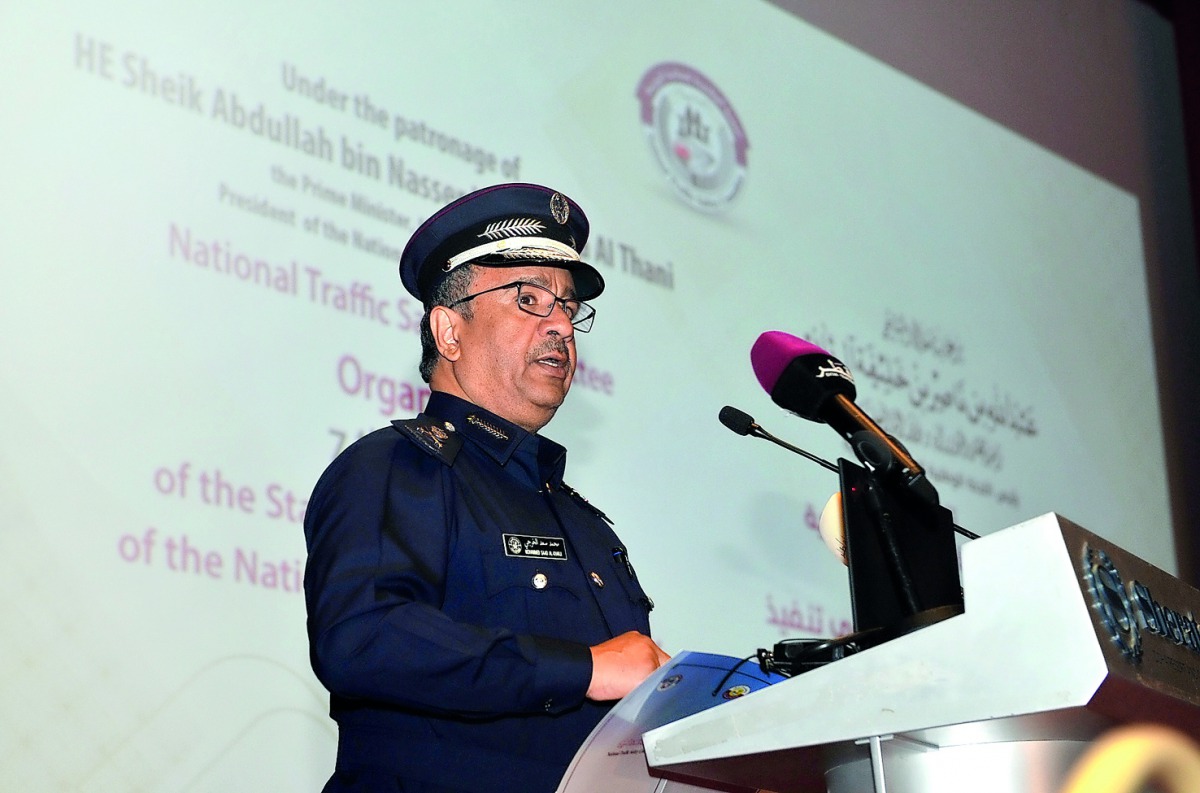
x=203 y=214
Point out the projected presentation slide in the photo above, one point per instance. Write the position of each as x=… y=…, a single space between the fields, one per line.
x=202 y=216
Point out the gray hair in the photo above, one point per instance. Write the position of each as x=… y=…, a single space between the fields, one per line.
x=455 y=286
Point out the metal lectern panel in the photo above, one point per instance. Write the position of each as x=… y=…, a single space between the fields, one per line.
x=1043 y=651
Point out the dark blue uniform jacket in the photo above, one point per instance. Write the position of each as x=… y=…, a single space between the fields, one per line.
x=454 y=585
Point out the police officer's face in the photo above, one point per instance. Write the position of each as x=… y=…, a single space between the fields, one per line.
x=513 y=363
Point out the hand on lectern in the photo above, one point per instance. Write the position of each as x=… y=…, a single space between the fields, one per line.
x=620 y=663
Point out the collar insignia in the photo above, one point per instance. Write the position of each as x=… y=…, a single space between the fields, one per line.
x=495 y=432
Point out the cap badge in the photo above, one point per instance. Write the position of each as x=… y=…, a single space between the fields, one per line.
x=559 y=208
x=513 y=227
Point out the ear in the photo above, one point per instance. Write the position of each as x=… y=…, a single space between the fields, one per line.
x=444 y=324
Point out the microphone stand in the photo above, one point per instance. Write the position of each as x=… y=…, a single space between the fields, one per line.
x=890 y=530
x=891 y=547
x=890 y=534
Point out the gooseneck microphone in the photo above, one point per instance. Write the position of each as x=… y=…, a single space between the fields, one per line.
x=744 y=424
x=808 y=381
x=739 y=421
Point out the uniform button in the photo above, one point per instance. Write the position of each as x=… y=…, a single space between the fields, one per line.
x=549 y=705
x=597 y=580
x=539 y=581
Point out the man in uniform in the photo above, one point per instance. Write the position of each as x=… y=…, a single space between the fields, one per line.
x=472 y=616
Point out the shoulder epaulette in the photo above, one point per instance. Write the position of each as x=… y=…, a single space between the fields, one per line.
x=437 y=438
x=583 y=502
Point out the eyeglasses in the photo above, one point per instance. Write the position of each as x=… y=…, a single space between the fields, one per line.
x=539 y=301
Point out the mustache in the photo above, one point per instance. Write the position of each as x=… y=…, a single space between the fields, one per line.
x=551 y=345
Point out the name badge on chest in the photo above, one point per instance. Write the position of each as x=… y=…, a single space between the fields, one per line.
x=535 y=547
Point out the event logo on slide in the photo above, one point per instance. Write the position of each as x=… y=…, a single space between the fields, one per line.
x=694 y=133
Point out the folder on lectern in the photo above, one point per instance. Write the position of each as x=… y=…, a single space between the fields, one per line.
x=612 y=758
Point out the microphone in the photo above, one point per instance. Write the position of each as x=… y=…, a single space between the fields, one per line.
x=808 y=381
x=831 y=526
x=740 y=422
x=744 y=424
